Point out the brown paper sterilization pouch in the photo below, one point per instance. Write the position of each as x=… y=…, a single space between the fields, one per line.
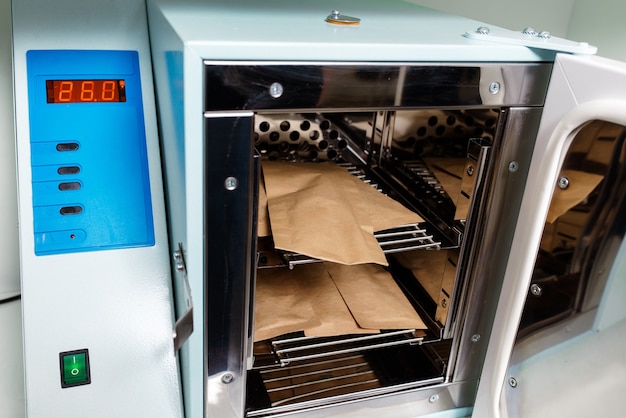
x=328 y=299
x=322 y=211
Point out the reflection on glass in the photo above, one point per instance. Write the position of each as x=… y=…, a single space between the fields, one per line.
x=582 y=216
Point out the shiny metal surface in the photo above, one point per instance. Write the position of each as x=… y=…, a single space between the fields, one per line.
x=361 y=91
x=475 y=184
x=518 y=129
x=229 y=254
x=247 y=85
x=184 y=324
x=408 y=403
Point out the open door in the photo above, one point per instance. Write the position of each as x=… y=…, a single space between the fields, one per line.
x=571 y=222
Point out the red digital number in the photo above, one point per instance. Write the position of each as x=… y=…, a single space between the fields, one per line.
x=86 y=91
x=65 y=91
x=108 y=91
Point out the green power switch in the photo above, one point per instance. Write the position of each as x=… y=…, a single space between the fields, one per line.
x=74 y=368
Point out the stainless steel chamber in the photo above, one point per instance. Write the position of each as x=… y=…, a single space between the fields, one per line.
x=447 y=142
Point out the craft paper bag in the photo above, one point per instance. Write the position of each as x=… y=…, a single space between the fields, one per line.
x=263 y=217
x=374 y=298
x=303 y=299
x=322 y=211
x=581 y=184
x=311 y=213
x=280 y=304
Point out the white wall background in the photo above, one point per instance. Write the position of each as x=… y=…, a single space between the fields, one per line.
x=9 y=273
x=11 y=374
x=600 y=23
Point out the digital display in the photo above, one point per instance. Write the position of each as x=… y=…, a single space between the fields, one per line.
x=85 y=91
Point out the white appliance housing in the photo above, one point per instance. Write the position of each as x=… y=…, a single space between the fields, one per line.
x=113 y=304
x=110 y=303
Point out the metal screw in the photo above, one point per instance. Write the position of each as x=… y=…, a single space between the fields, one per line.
x=536 y=290
x=276 y=90
x=513 y=166
x=512 y=382
x=475 y=338
x=178 y=257
x=231 y=183
x=470 y=170
x=433 y=398
x=227 y=378
x=494 y=88
x=444 y=303
x=529 y=31
x=544 y=35
x=563 y=183
x=335 y=13
x=483 y=30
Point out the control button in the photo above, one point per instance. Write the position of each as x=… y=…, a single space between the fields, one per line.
x=74 y=368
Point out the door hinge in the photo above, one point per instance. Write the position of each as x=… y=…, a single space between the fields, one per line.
x=530 y=38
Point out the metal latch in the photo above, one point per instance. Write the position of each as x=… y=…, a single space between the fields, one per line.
x=532 y=39
x=184 y=325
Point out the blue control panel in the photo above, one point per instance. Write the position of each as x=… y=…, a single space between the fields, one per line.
x=90 y=179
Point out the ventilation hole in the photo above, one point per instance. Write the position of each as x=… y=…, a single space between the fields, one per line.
x=305 y=125
x=422 y=131
x=72 y=185
x=314 y=135
x=285 y=125
x=304 y=146
x=342 y=144
x=67 y=146
x=451 y=120
x=322 y=145
x=274 y=136
x=470 y=121
x=264 y=126
x=478 y=131
x=70 y=210
x=432 y=121
x=263 y=148
x=333 y=134
x=294 y=135
x=324 y=125
x=490 y=122
x=440 y=130
x=283 y=147
x=332 y=154
x=273 y=155
x=256 y=137
x=68 y=170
